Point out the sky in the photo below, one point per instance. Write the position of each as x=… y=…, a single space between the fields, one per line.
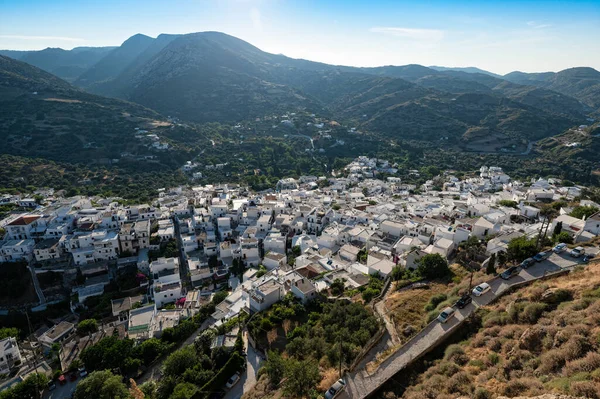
x=498 y=36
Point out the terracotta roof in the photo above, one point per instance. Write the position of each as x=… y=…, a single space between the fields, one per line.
x=24 y=220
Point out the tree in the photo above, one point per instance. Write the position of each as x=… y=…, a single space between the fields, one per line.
x=86 y=327
x=262 y=270
x=337 y=287
x=275 y=368
x=557 y=229
x=28 y=389
x=184 y=390
x=491 y=266
x=101 y=385
x=521 y=248
x=179 y=361
x=563 y=236
x=301 y=377
x=433 y=266
x=581 y=212
x=296 y=250
x=56 y=350
x=6 y=332
x=219 y=297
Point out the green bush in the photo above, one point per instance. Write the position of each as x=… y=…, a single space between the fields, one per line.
x=434 y=301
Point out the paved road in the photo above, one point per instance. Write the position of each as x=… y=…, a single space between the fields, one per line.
x=360 y=384
x=62 y=391
x=248 y=379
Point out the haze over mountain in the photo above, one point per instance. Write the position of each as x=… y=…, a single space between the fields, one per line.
x=211 y=76
x=66 y=64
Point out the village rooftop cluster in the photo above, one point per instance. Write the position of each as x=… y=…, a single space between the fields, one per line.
x=298 y=238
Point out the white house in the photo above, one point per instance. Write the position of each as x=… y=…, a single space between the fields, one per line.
x=273 y=260
x=304 y=289
x=47 y=249
x=56 y=334
x=167 y=282
x=21 y=227
x=16 y=250
x=484 y=227
x=266 y=292
x=275 y=242
x=592 y=224
x=9 y=355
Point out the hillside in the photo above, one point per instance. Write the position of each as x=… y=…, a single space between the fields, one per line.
x=580 y=83
x=210 y=76
x=213 y=77
x=67 y=65
x=542 y=339
x=42 y=115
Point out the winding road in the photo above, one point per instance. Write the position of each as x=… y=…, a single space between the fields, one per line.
x=361 y=384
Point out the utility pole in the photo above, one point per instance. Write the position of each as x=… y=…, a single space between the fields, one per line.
x=37 y=390
x=340 y=355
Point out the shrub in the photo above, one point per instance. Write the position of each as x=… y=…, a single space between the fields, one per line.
x=586 y=389
x=494 y=358
x=576 y=347
x=515 y=388
x=456 y=354
x=552 y=361
x=435 y=301
x=482 y=393
x=532 y=312
x=459 y=383
x=478 y=363
x=588 y=363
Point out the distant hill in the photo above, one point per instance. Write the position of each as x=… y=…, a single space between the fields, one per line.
x=211 y=76
x=115 y=62
x=580 y=83
x=43 y=115
x=465 y=69
x=66 y=64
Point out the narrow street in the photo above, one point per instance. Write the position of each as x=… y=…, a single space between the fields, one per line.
x=248 y=378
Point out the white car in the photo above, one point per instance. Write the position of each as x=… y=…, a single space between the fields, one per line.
x=481 y=289
x=233 y=380
x=446 y=315
x=335 y=389
x=577 y=252
x=559 y=248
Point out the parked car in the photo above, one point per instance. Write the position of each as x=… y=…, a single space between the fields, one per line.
x=481 y=289
x=51 y=385
x=588 y=257
x=577 y=252
x=541 y=256
x=463 y=301
x=335 y=389
x=82 y=372
x=446 y=315
x=62 y=380
x=233 y=380
x=527 y=262
x=72 y=377
x=508 y=273
x=559 y=248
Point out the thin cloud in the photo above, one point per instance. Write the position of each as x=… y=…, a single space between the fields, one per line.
x=256 y=18
x=61 y=38
x=537 y=25
x=410 y=33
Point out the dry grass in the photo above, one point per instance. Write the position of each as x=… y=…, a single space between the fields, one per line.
x=330 y=376
x=530 y=344
x=406 y=307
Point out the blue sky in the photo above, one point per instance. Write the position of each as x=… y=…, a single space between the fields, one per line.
x=500 y=36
